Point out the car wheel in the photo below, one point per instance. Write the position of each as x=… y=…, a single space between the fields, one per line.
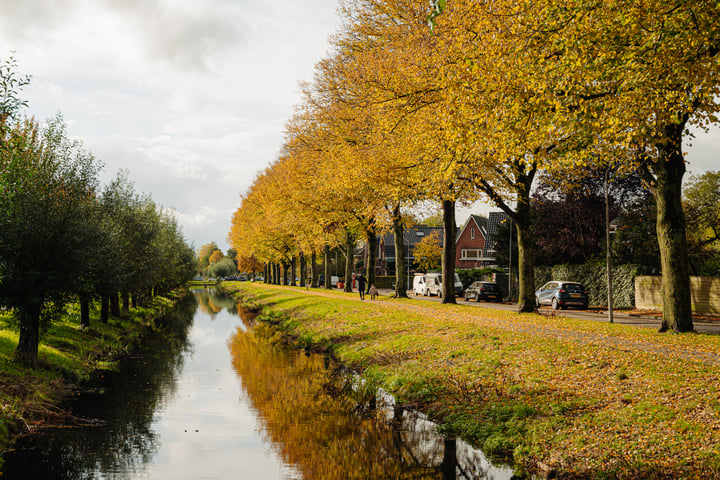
x=439 y=293
x=555 y=304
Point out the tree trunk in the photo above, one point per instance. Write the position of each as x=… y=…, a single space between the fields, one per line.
x=314 y=270
x=349 y=250
x=371 y=252
x=400 y=277
x=449 y=464
x=104 y=309
x=293 y=274
x=326 y=253
x=448 y=254
x=303 y=269
x=27 y=349
x=84 y=311
x=285 y=273
x=126 y=301
x=667 y=191
x=526 y=267
x=526 y=254
x=115 y=304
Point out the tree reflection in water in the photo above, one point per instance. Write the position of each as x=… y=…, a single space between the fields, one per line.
x=122 y=443
x=212 y=301
x=324 y=437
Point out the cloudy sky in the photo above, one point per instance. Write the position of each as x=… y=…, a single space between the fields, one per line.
x=190 y=96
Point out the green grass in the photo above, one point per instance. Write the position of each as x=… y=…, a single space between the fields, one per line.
x=591 y=399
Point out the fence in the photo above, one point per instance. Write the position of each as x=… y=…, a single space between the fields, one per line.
x=704 y=291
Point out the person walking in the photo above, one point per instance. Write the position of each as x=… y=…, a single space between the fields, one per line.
x=361 y=285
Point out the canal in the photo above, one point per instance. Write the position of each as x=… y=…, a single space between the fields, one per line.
x=216 y=397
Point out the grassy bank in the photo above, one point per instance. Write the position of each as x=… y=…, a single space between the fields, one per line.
x=68 y=354
x=587 y=399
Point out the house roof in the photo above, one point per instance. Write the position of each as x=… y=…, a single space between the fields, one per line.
x=495 y=219
x=478 y=220
x=411 y=237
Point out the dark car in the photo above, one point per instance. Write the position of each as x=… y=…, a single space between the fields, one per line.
x=562 y=295
x=488 y=291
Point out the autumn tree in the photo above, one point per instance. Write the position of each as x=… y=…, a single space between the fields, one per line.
x=215 y=257
x=428 y=251
x=631 y=78
x=204 y=253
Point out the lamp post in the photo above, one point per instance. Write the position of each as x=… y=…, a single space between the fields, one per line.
x=509 y=257
x=407 y=262
x=510 y=264
x=608 y=259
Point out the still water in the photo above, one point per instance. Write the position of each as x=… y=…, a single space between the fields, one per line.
x=220 y=399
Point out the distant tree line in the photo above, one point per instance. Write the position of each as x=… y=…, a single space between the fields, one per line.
x=64 y=237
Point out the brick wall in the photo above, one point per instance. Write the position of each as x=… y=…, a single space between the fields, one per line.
x=705 y=293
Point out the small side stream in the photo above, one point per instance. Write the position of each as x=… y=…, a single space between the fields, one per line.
x=215 y=397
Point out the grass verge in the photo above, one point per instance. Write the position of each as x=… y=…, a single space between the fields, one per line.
x=588 y=399
x=67 y=355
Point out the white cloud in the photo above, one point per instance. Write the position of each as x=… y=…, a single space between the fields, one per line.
x=190 y=96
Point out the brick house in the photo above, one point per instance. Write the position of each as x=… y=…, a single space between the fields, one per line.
x=471 y=244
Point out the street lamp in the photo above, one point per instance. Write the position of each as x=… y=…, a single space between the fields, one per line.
x=509 y=257
x=407 y=262
x=510 y=264
x=608 y=259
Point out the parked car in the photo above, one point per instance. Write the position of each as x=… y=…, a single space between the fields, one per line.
x=334 y=279
x=433 y=284
x=419 y=285
x=562 y=294
x=487 y=291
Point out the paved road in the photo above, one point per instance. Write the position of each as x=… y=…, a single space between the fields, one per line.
x=618 y=317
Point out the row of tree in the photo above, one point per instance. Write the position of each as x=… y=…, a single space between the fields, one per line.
x=65 y=237
x=569 y=222
x=473 y=108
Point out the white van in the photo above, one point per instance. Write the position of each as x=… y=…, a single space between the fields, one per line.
x=419 y=284
x=433 y=284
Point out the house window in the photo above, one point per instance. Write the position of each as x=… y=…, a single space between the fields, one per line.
x=470 y=253
x=472 y=233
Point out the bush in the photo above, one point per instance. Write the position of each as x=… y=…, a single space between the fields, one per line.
x=593 y=276
x=468 y=276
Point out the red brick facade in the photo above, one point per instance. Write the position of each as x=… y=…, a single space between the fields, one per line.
x=470 y=248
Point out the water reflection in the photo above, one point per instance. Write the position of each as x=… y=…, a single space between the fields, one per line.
x=212 y=301
x=321 y=433
x=223 y=400
x=123 y=442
